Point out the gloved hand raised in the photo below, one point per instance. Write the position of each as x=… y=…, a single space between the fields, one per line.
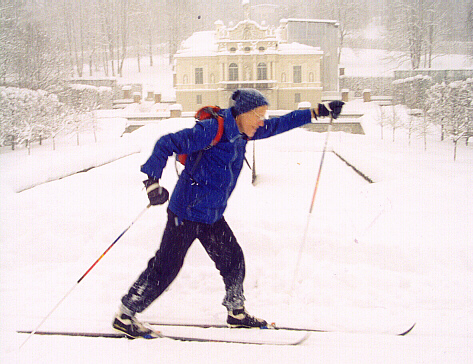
x=334 y=107
x=157 y=195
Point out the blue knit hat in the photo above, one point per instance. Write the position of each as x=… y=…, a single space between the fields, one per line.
x=246 y=99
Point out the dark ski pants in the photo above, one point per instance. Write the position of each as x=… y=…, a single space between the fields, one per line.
x=220 y=244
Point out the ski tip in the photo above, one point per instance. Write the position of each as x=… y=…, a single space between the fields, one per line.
x=306 y=336
x=302 y=339
x=408 y=331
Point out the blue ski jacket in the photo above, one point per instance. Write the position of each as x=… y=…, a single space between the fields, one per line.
x=203 y=196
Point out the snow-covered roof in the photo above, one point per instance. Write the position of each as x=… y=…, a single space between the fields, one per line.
x=266 y=6
x=199 y=44
x=328 y=21
x=248 y=22
x=206 y=43
x=298 y=48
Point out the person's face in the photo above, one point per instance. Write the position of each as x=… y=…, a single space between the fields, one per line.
x=250 y=121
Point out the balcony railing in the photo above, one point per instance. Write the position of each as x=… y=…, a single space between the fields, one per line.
x=259 y=85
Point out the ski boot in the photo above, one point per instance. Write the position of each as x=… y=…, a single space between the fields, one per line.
x=239 y=318
x=132 y=327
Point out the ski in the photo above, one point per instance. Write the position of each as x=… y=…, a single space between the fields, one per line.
x=272 y=326
x=244 y=337
x=213 y=333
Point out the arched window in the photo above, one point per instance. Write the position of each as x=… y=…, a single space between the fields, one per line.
x=185 y=80
x=262 y=71
x=233 y=72
x=283 y=77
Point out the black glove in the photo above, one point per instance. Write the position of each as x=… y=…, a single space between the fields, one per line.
x=334 y=107
x=157 y=195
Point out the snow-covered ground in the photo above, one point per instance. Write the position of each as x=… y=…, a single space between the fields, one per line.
x=377 y=258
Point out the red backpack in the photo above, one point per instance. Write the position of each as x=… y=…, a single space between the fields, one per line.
x=204 y=113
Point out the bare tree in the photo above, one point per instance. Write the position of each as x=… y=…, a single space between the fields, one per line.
x=451 y=107
x=123 y=27
x=469 y=26
x=9 y=20
x=107 y=24
x=181 y=20
x=150 y=26
x=382 y=117
x=413 y=93
x=30 y=56
x=412 y=29
x=349 y=13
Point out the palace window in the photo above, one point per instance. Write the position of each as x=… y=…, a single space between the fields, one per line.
x=297 y=74
x=262 y=71
x=233 y=72
x=199 y=76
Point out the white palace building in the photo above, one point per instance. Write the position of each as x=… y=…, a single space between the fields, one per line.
x=211 y=64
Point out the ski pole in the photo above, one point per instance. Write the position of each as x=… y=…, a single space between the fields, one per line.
x=370 y=225
x=301 y=247
x=83 y=276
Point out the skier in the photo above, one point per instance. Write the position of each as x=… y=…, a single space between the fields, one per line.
x=199 y=199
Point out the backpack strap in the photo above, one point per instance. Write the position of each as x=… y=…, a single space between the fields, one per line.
x=206 y=112
x=214 y=115
x=211 y=112
x=219 y=134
